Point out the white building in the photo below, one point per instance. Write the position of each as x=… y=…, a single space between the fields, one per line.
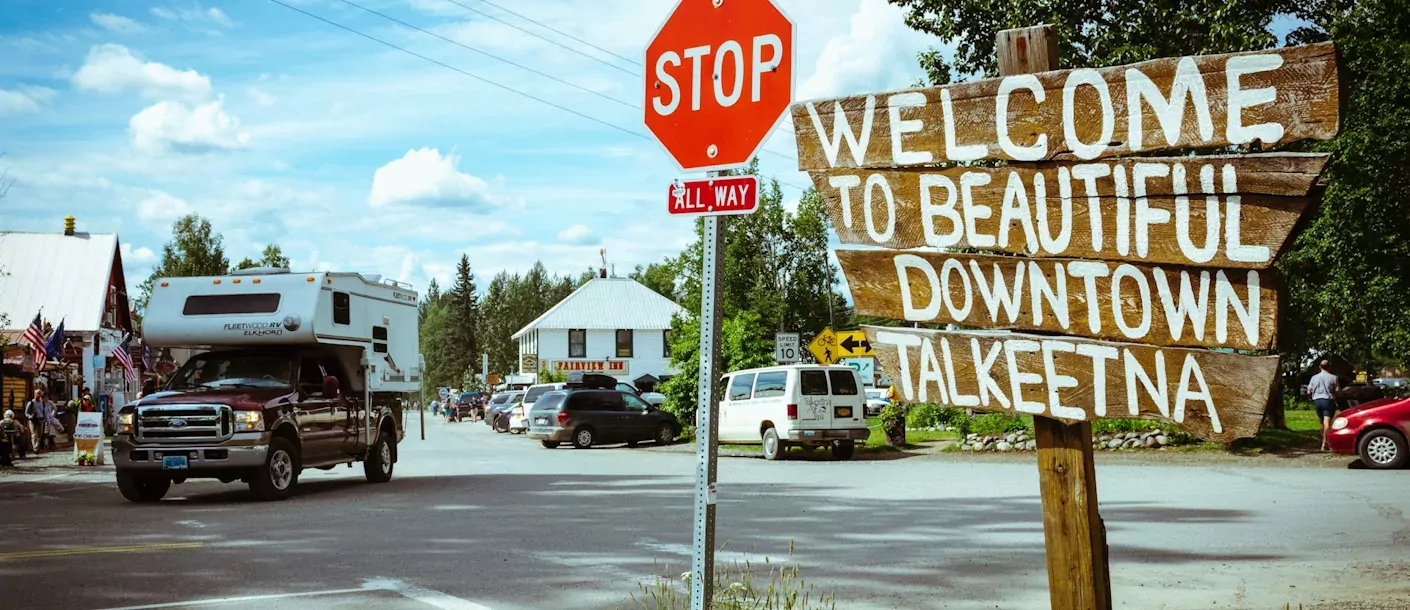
x=608 y=325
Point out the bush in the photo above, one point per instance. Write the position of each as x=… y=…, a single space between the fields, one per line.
x=1119 y=426
x=996 y=424
x=927 y=415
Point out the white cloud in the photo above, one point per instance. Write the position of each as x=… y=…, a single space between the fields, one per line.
x=161 y=209
x=578 y=235
x=262 y=97
x=24 y=99
x=195 y=18
x=118 y=23
x=113 y=68
x=176 y=127
x=879 y=52
x=141 y=254
x=424 y=177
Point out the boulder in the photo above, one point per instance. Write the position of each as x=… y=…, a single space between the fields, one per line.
x=1162 y=440
x=1149 y=441
x=1031 y=445
x=1132 y=443
x=966 y=447
x=1104 y=438
x=1004 y=446
x=1115 y=443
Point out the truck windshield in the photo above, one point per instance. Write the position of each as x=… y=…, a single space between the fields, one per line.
x=217 y=370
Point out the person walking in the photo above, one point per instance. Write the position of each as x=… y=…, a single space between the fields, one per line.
x=39 y=411
x=10 y=442
x=1323 y=389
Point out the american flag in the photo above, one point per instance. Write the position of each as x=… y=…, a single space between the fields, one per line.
x=125 y=359
x=34 y=338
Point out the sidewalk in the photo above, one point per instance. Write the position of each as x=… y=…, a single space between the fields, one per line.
x=50 y=462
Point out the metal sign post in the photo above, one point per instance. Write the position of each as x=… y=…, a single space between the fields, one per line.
x=702 y=565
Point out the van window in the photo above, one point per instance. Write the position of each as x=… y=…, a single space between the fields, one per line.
x=770 y=384
x=739 y=388
x=814 y=383
x=844 y=383
x=216 y=304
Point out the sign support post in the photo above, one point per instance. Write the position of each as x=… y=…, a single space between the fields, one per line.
x=1078 y=574
x=702 y=565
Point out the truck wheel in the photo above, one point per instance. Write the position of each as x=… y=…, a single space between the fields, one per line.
x=275 y=480
x=583 y=438
x=843 y=450
x=142 y=488
x=773 y=448
x=378 y=465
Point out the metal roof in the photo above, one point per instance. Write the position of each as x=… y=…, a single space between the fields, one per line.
x=66 y=276
x=608 y=304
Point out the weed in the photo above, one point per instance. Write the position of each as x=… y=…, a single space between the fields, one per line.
x=739 y=585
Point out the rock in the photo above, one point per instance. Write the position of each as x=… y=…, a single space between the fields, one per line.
x=978 y=446
x=1031 y=445
x=989 y=446
x=1011 y=438
x=966 y=447
x=1162 y=440
x=1104 y=438
x=1149 y=442
x=1115 y=443
x=1004 y=446
x=1132 y=443
x=971 y=436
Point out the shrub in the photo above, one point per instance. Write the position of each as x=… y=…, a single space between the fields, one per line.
x=927 y=415
x=740 y=585
x=1118 y=426
x=996 y=424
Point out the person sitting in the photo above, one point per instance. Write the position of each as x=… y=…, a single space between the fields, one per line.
x=10 y=435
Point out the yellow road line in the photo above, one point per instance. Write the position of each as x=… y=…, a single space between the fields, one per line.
x=102 y=549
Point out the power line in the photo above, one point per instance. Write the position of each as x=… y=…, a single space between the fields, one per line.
x=550 y=40
x=488 y=81
x=490 y=55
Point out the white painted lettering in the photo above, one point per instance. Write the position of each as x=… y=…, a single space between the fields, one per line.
x=844 y=184
x=761 y=66
x=972 y=211
x=730 y=47
x=1089 y=271
x=1054 y=244
x=694 y=54
x=874 y=181
x=988 y=387
x=1007 y=86
x=1119 y=304
x=1190 y=371
x=930 y=372
x=832 y=145
x=956 y=398
x=1226 y=299
x=1190 y=307
x=911 y=312
x=1240 y=99
x=1000 y=295
x=1145 y=214
x=1019 y=378
x=953 y=266
x=1099 y=354
x=1054 y=292
x=669 y=58
x=1157 y=390
x=1233 y=223
x=901 y=341
x=928 y=211
x=1183 y=236
x=968 y=152
x=1187 y=88
x=899 y=126
x=1058 y=381
x=1091 y=78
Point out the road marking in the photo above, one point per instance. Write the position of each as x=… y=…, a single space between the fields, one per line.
x=248 y=598
x=101 y=549
x=48 y=478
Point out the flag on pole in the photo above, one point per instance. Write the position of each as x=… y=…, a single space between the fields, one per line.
x=125 y=359
x=146 y=358
x=55 y=345
x=34 y=338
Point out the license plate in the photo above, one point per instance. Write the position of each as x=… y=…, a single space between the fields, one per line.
x=810 y=433
x=844 y=411
x=542 y=421
x=174 y=462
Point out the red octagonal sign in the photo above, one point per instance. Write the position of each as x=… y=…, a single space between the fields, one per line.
x=719 y=76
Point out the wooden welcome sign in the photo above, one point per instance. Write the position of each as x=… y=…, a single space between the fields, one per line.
x=1145 y=281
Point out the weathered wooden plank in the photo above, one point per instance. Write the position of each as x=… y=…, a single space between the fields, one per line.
x=1213 y=395
x=1126 y=302
x=1274 y=97
x=1084 y=210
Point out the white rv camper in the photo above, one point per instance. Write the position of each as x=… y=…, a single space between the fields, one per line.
x=297 y=370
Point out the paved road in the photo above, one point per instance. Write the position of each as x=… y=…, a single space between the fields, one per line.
x=475 y=520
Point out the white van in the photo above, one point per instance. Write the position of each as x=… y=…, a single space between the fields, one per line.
x=519 y=416
x=796 y=405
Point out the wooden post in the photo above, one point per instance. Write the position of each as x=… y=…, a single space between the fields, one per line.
x=1078 y=575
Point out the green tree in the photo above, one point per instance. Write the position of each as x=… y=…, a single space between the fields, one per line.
x=460 y=351
x=272 y=257
x=195 y=250
x=660 y=277
x=745 y=342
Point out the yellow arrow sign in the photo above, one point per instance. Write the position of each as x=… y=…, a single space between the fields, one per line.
x=853 y=344
x=824 y=347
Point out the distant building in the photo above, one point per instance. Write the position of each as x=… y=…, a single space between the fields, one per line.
x=609 y=325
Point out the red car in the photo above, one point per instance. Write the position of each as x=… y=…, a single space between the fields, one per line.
x=1376 y=431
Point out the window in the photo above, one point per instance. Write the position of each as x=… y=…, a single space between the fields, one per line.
x=599 y=401
x=844 y=383
x=379 y=339
x=770 y=384
x=342 y=308
x=740 y=388
x=624 y=344
x=577 y=343
x=209 y=305
x=635 y=404
x=814 y=382
x=665 y=344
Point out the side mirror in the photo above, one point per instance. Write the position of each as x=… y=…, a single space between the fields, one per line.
x=330 y=387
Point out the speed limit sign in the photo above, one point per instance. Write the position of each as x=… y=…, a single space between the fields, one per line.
x=786 y=348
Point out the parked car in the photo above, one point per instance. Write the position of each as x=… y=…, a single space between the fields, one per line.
x=794 y=405
x=588 y=414
x=1376 y=431
x=876 y=401
x=518 y=418
x=467 y=405
x=655 y=398
x=499 y=403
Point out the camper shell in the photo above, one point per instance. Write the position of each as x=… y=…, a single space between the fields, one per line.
x=294 y=371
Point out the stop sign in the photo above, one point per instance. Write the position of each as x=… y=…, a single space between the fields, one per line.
x=719 y=76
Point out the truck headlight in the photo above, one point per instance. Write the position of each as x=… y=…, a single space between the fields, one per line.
x=246 y=421
x=125 y=423
x=1339 y=423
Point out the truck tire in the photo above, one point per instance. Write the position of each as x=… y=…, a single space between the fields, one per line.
x=276 y=479
x=773 y=448
x=378 y=465
x=142 y=488
x=843 y=450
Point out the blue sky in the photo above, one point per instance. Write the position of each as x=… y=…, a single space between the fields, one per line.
x=354 y=156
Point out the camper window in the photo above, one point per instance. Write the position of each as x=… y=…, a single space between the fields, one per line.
x=217 y=304
x=342 y=308
x=238 y=369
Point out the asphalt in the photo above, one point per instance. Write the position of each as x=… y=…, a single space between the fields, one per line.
x=476 y=520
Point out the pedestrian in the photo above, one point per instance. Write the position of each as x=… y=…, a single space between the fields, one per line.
x=1323 y=389
x=39 y=412
x=10 y=441
x=148 y=387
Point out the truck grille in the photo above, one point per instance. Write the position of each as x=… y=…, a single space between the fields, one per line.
x=184 y=423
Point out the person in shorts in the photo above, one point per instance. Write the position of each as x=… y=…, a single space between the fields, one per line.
x=1323 y=390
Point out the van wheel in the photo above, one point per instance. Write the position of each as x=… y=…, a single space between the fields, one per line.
x=843 y=450
x=773 y=448
x=665 y=434
x=378 y=466
x=142 y=488
x=549 y=444
x=1383 y=449
x=583 y=438
x=275 y=480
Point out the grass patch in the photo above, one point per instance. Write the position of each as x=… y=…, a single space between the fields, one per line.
x=877 y=440
x=740 y=585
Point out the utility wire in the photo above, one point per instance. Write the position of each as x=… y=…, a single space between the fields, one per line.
x=486 y=80
x=490 y=55
x=549 y=40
